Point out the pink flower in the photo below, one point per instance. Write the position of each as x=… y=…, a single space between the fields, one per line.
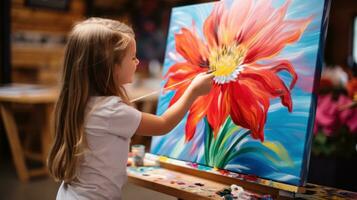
x=330 y=116
x=326 y=115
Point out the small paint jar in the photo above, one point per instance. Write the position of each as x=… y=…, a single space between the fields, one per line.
x=138 y=152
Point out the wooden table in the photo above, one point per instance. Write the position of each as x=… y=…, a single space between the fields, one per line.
x=43 y=98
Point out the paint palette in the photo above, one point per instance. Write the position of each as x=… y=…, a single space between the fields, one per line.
x=178 y=184
x=173 y=180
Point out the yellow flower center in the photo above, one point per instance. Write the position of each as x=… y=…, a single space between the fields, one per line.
x=226 y=62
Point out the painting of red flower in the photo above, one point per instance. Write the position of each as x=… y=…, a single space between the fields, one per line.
x=265 y=57
x=237 y=40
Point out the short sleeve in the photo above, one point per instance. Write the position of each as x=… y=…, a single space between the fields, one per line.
x=124 y=120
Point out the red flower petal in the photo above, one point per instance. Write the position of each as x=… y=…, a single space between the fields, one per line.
x=211 y=24
x=197 y=112
x=179 y=92
x=179 y=72
x=266 y=37
x=191 y=47
x=279 y=36
x=250 y=26
x=271 y=83
x=279 y=66
x=268 y=17
x=262 y=97
x=219 y=108
x=235 y=20
x=247 y=110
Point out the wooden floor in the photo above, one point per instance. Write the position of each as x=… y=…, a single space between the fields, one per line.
x=45 y=188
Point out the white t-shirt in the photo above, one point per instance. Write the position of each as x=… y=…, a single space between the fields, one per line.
x=109 y=126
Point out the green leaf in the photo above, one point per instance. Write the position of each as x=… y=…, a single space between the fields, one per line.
x=228 y=155
x=221 y=135
x=208 y=140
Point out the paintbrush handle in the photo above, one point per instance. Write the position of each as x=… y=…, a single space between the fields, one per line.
x=143 y=97
x=158 y=91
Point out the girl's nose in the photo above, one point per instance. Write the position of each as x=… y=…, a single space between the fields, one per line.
x=137 y=61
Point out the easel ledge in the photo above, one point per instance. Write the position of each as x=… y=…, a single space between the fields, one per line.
x=251 y=183
x=181 y=185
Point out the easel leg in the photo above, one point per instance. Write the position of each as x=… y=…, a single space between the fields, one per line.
x=14 y=140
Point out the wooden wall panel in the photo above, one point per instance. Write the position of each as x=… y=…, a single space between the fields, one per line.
x=40 y=59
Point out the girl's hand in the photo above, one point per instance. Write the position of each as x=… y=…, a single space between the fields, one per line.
x=201 y=84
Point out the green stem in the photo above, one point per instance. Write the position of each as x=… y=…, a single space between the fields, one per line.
x=228 y=153
x=208 y=140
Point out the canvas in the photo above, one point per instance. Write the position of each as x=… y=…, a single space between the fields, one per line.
x=258 y=117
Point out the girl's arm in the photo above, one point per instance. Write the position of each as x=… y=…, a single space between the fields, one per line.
x=158 y=125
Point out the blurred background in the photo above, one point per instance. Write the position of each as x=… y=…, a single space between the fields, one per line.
x=33 y=35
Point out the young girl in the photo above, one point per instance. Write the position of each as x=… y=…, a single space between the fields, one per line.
x=93 y=117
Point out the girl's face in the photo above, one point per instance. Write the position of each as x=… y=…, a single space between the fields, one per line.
x=125 y=71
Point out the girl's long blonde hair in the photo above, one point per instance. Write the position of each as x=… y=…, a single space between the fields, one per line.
x=93 y=49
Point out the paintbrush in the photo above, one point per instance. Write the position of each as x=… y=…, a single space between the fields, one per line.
x=171 y=86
